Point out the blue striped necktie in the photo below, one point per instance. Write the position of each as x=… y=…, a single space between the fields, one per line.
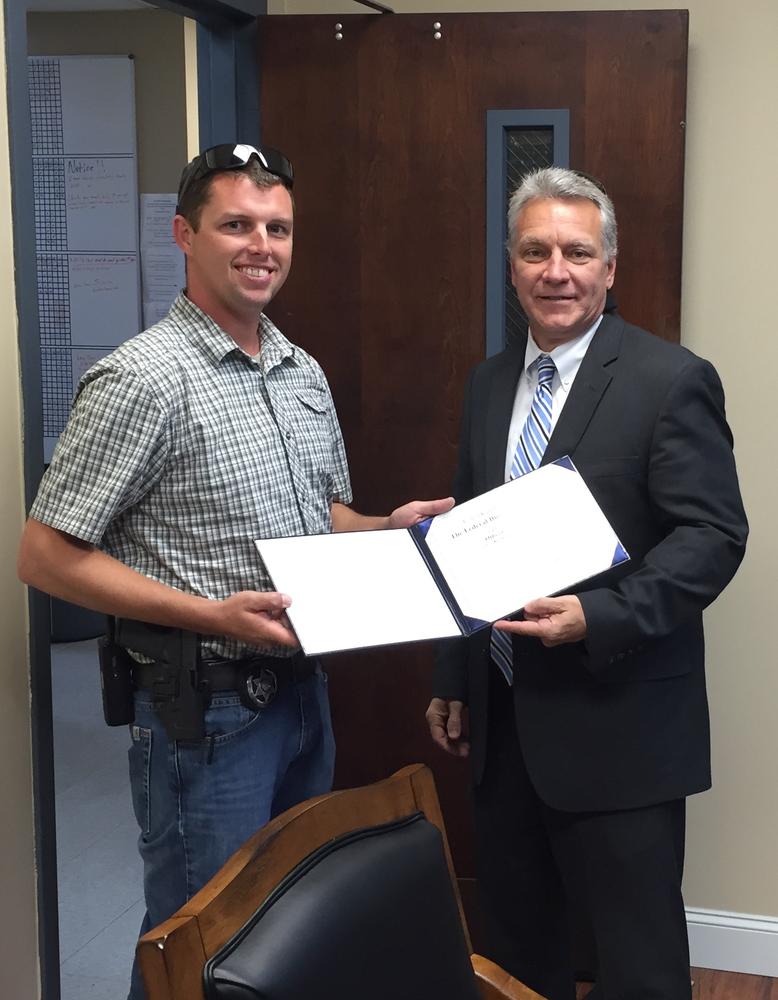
x=528 y=456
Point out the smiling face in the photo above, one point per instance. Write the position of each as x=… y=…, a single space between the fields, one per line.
x=558 y=268
x=240 y=254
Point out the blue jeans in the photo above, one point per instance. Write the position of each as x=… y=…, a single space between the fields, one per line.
x=196 y=803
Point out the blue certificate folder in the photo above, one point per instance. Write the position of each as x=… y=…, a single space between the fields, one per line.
x=449 y=575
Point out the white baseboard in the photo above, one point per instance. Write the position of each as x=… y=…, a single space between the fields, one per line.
x=733 y=942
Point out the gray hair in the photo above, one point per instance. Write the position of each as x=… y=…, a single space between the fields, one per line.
x=558 y=182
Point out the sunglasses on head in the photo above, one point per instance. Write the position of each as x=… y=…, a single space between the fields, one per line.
x=229 y=156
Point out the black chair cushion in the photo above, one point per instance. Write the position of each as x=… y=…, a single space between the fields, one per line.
x=370 y=916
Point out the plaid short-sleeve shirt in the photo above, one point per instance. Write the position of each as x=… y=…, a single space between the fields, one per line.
x=181 y=449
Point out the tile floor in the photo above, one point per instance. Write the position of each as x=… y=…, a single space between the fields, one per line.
x=99 y=872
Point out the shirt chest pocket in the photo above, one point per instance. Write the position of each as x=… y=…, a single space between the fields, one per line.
x=313 y=399
x=309 y=433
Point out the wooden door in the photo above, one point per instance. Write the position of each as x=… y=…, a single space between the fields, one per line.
x=386 y=129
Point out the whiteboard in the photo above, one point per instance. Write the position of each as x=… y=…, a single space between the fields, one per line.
x=82 y=111
x=103 y=298
x=101 y=203
x=98 y=104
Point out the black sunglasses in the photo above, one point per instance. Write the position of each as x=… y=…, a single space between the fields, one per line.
x=229 y=156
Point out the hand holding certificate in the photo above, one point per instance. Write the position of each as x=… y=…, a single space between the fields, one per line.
x=449 y=575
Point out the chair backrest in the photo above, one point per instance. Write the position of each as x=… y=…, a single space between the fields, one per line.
x=350 y=895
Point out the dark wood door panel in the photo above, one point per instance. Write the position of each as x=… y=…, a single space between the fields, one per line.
x=636 y=95
x=309 y=110
x=386 y=129
x=423 y=222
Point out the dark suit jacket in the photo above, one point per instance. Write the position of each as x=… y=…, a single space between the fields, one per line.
x=619 y=720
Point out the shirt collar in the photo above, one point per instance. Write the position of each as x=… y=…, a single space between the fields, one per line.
x=567 y=357
x=274 y=348
x=206 y=334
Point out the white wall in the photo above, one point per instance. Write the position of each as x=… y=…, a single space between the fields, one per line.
x=730 y=225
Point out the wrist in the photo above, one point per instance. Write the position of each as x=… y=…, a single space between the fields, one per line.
x=203 y=615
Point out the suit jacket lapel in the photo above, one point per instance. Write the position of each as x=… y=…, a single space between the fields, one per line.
x=502 y=392
x=590 y=383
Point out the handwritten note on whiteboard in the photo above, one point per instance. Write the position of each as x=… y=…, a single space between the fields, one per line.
x=102 y=203
x=103 y=298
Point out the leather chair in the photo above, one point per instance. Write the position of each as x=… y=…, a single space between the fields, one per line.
x=349 y=896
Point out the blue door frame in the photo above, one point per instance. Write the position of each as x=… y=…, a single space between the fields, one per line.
x=228 y=109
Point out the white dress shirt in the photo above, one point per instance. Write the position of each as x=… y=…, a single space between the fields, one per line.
x=567 y=358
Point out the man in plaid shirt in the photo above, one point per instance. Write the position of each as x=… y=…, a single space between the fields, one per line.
x=204 y=432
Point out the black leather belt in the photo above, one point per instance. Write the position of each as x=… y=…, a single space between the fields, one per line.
x=256 y=679
x=225 y=675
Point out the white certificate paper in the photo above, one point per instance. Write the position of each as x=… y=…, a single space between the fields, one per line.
x=530 y=538
x=455 y=573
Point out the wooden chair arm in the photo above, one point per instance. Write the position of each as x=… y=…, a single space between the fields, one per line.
x=495 y=983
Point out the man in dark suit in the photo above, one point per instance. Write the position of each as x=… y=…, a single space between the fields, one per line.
x=583 y=759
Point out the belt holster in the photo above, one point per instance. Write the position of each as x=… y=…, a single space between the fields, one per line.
x=175 y=685
x=183 y=713
x=115 y=679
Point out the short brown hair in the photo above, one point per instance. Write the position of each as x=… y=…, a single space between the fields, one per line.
x=198 y=192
